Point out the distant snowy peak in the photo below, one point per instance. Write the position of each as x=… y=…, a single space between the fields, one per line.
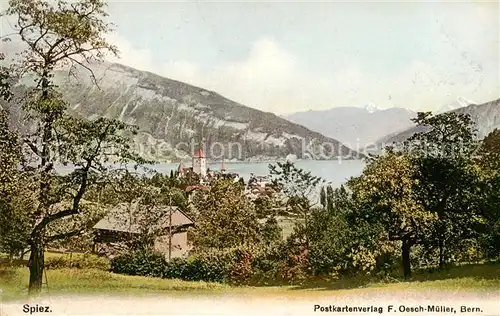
x=460 y=102
x=370 y=107
x=464 y=102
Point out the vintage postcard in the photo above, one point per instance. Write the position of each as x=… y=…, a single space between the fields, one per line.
x=189 y=158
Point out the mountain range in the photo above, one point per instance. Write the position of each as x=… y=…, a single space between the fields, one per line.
x=355 y=126
x=486 y=117
x=360 y=126
x=176 y=118
x=460 y=102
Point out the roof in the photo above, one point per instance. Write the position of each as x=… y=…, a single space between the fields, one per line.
x=130 y=219
x=197 y=187
x=199 y=153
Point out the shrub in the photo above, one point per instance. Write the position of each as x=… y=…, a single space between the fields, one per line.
x=206 y=267
x=266 y=264
x=232 y=266
x=140 y=262
x=241 y=269
x=229 y=266
x=78 y=261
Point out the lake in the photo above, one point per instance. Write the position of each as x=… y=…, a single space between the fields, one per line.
x=333 y=171
x=336 y=172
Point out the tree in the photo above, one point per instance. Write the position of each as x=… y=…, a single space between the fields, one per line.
x=322 y=197
x=488 y=163
x=225 y=218
x=15 y=199
x=446 y=182
x=16 y=202
x=489 y=154
x=264 y=206
x=385 y=194
x=61 y=35
x=342 y=244
x=300 y=189
x=327 y=197
x=5 y=92
x=271 y=231
x=330 y=196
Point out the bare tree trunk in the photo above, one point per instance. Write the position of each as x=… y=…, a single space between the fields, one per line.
x=307 y=230
x=36 y=261
x=441 y=252
x=406 y=258
x=170 y=235
x=36 y=265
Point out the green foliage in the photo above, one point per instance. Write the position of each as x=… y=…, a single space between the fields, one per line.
x=488 y=197
x=210 y=268
x=322 y=197
x=292 y=180
x=16 y=221
x=78 y=261
x=5 y=92
x=271 y=231
x=267 y=263
x=295 y=266
x=60 y=34
x=241 y=270
x=299 y=186
x=225 y=218
x=446 y=182
x=228 y=266
x=385 y=197
x=141 y=262
x=449 y=135
x=300 y=190
x=16 y=199
x=264 y=206
x=327 y=197
x=10 y=154
x=330 y=197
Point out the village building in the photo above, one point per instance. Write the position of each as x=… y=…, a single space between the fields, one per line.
x=200 y=163
x=199 y=167
x=128 y=221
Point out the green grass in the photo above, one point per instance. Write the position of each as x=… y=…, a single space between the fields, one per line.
x=467 y=277
x=14 y=280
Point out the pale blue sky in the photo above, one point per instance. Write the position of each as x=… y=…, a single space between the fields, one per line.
x=291 y=56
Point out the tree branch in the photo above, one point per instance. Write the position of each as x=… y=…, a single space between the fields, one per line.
x=32 y=147
x=65 y=235
x=94 y=79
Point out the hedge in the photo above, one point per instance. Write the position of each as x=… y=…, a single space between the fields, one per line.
x=232 y=266
x=78 y=261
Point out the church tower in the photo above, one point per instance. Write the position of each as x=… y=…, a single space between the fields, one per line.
x=200 y=163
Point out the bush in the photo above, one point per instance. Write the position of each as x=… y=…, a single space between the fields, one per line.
x=206 y=267
x=78 y=261
x=266 y=264
x=241 y=269
x=233 y=266
x=140 y=262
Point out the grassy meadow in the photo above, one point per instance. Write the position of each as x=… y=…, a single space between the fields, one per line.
x=14 y=280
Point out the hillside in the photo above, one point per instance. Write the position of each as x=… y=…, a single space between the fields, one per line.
x=174 y=118
x=460 y=102
x=486 y=116
x=355 y=126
